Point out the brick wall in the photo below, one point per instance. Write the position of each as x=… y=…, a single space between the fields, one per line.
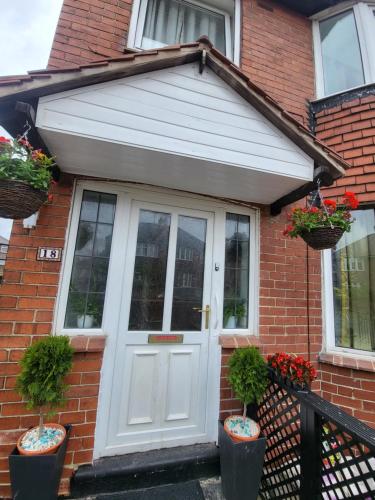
x=276 y=51
x=349 y=128
x=89 y=30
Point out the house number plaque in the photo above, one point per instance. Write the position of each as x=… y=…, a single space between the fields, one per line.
x=165 y=339
x=51 y=254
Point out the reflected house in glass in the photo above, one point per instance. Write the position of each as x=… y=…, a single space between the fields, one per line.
x=353 y=263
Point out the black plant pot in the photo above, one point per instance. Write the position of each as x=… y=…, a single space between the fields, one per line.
x=37 y=477
x=241 y=466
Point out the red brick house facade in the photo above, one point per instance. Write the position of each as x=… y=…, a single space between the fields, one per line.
x=276 y=54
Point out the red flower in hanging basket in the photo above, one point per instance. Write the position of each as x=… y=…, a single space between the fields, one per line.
x=350 y=200
x=327 y=222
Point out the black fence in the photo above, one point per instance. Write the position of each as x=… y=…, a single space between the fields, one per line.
x=314 y=450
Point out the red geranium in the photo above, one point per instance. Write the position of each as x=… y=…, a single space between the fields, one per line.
x=4 y=139
x=292 y=367
x=350 y=200
x=329 y=215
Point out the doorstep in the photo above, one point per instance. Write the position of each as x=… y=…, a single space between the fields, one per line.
x=146 y=470
x=207 y=489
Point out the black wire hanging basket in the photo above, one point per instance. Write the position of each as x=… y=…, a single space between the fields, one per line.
x=326 y=236
x=19 y=200
x=322 y=238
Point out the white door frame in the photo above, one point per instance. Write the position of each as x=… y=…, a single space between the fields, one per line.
x=126 y=194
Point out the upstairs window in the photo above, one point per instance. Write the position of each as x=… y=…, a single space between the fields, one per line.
x=344 y=49
x=157 y=23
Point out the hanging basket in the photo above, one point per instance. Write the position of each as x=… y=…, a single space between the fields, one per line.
x=18 y=200
x=322 y=238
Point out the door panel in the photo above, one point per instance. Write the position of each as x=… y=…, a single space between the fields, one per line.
x=159 y=393
x=142 y=386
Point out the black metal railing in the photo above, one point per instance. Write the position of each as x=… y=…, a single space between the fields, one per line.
x=314 y=449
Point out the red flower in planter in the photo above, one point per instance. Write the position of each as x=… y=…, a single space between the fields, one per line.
x=4 y=140
x=292 y=367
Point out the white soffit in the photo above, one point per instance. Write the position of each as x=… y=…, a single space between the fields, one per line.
x=195 y=123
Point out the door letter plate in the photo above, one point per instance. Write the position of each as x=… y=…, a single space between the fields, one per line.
x=165 y=339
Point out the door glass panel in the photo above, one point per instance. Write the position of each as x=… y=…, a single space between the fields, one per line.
x=189 y=274
x=236 y=283
x=147 y=303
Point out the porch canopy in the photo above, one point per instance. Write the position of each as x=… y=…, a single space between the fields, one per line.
x=182 y=117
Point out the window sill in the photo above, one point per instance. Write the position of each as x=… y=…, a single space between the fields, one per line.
x=235 y=341
x=88 y=343
x=348 y=361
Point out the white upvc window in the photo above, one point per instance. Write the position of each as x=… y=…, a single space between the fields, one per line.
x=344 y=46
x=349 y=289
x=157 y=23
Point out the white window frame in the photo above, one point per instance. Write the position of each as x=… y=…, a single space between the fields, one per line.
x=254 y=266
x=366 y=35
x=125 y=196
x=232 y=40
x=329 y=314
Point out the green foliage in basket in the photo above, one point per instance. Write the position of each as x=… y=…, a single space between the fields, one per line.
x=43 y=368
x=248 y=375
x=20 y=162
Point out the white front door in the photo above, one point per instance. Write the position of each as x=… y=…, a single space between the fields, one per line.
x=159 y=394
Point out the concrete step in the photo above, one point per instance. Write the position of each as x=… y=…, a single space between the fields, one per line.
x=141 y=471
x=207 y=489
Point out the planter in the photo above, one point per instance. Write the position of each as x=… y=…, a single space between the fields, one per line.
x=234 y=426
x=85 y=321
x=241 y=465
x=48 y=450
x=231 y=322
x=37 y=477
x=322 y=238
x=18 y=200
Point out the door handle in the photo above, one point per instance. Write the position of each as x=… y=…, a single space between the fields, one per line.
x=207 y=311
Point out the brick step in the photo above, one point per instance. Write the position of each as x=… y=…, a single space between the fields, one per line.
x=140 y=471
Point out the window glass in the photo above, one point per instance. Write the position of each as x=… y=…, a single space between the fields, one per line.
x=236 y=284
x=353 y=263
x=91 y=260
x=341 y=55
x=175 y=21
x=189 y=274
x=147 y=303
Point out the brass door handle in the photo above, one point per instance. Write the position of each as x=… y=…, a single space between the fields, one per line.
x=206 y=310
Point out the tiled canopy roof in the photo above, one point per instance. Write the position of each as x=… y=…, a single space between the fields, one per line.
x=49 y=81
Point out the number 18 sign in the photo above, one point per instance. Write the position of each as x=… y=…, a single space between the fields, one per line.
x=51 y=254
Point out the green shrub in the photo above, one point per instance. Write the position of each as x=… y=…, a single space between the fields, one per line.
x=248 y=375
x=43 y=368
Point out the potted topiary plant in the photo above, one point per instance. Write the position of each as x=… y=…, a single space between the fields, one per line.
x=25 y=178
x=36 y=463
x=241 y=446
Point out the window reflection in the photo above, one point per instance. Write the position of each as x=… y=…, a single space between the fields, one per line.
x=91 y=260
x=236 y=281
x=353 y=263
x=147 y=303
x=341 y=54
x=189 y=274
